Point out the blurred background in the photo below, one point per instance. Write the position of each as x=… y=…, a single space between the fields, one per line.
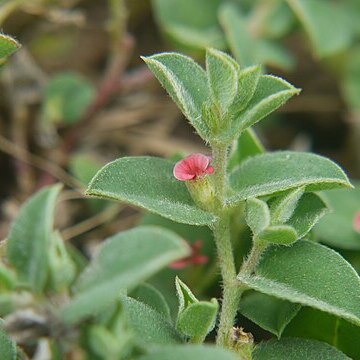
x=77 y=95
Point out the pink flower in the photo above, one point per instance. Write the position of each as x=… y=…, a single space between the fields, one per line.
x=356 y=222
x=193 y=167
x=195 y=258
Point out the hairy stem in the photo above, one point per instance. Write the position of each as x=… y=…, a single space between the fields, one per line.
x=224 y=247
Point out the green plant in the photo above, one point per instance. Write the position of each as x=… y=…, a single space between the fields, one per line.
x=53 y=300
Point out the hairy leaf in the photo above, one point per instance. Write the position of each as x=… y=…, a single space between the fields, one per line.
x=124 y=261
x=30 y=238
x=148 y=182
x=279 y=171
x=310 y=274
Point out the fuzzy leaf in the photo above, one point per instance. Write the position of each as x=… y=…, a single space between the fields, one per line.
x=184 y=294
x=30 y=238
x=278 y=234
x=270 y=313
x=150 y=327
x=247 y=83
x=148 y=182
x=193 y=25
x=271 y=92
x=314 y=324
x=327 y=24
x=152 y=297
x=279 y=171
x=296 y=349
x=8 y=45
x=190 y=352
x=336 y=228
x=198 y=319
x=222 y=73
x=124 y=260
x=7 y=346
x=241 y=43
x=310 y=209
x=257 y=215
x=283 y=206
x=310 y=274
x=186 y=83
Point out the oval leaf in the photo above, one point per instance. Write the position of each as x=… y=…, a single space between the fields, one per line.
x=7 y=346
x=124 y=261
x=310 y=274
x=222 y=73
x=271 y=92
x=186 y=83
x=198 y=319
x=297 y=349
x=284 y=170
x=257 y=215
x=148 y=182
x=336 y=228
x=152 y=297
x=30 y=238
x=190 y=352
x=150 y=327
x=278 y=234
x=270 y=313
x=8 y=45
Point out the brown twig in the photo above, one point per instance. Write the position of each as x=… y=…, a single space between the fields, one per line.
x=49 y=167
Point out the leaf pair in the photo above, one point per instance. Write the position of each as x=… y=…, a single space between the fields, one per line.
x=238 y=98
x=148 y=182
x=286 y=218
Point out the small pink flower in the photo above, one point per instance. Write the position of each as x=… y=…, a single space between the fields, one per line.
x=193 y=167
x=356 y=222
x=195 y=258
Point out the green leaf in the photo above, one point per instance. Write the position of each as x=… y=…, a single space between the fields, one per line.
x=124 y=261
x=270 y=313
x=310 y=209
x=195 y=318
x=278 y=234
x=152 y=297
x=241 y=43
x=257 y=215
x=190 y=352
x=150 y=327
x=313 y=324
x=186 y=83
x=62 y=269
x=66 y=98
x=184 y=294
x=149 y=183
x=7 y=346
x=271 y=92
x=326 y=23
x=310 y=274
x=279 y=171
x=30 y=238
x=296 y=349
x=283 y=206
x=198 y=319
x=247 y=48
x=8 y=45
x=193 y=24
x=247 y=83
x=336 y=228
x=222 y=73
x=248 y=144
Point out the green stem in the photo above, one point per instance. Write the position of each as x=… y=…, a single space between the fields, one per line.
x=224 y=247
